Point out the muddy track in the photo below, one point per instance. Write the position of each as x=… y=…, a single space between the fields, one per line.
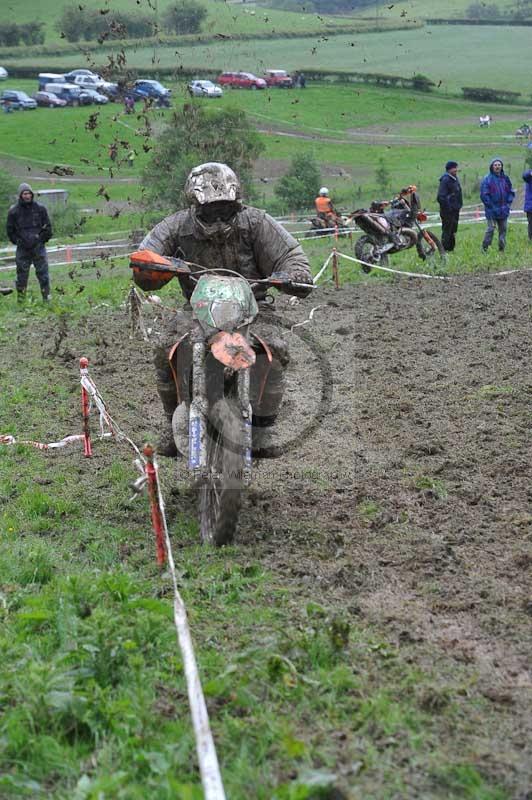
x=409 y=505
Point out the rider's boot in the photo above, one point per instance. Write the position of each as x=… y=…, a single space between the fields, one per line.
x=262 y=440
x=166 y=445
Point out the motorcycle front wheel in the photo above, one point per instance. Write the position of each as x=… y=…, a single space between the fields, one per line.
x=429 y=247
x=220 y=495
x=366 y=250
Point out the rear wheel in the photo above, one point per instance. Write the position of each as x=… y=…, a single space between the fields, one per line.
x=220 y=496
x=429 y=247
x=366 y=250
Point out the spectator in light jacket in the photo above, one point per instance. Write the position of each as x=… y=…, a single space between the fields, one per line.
x=497 y=194
x=527 y=177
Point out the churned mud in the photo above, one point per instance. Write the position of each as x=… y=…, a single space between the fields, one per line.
x=403 y=488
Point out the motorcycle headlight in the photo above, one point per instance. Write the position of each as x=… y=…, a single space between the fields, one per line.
x=227 y=314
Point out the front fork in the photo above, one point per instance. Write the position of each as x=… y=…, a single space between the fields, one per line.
x=198 y=414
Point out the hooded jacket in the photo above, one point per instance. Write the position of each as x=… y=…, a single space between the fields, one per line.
x=496 y=193
x=28 y=224
x=449 y=193
x=251 y=243
x=527 y=177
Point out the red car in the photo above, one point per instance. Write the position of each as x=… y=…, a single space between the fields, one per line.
x=49 y=100
x=241 y=80
x=278 y=77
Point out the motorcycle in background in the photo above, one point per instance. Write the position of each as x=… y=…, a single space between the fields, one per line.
x=222 y=350
x=388 y=232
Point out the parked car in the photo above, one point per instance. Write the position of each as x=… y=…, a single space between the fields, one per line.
x=73 y=72
x=144 y=89
x=94 y=96
x=278 y=77
x=48 y=100
x=3 y=73
x=49 y=77
x=93 y=82
x=69 y=92
x=13 y=97
x=241 y=80
x=204 y=89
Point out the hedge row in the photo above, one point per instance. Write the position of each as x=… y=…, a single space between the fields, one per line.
x=515 y=22
x=416 y=82
x=484 y=94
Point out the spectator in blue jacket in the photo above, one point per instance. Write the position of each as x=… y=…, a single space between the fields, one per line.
x=497 y=194
x=527 y=177
x=450 y=200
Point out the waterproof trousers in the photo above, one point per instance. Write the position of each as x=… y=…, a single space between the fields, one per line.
x=449 y=226
x=501 y=225
x=24 y=258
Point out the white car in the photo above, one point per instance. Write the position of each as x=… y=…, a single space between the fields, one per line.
x=3 y=74
x=204 y=89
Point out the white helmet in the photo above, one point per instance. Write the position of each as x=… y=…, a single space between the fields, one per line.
x=324 y=191
x=212 y=182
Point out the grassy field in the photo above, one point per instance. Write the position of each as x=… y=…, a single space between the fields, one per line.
x=303 y=695
x=453 y=59
x=414 y=135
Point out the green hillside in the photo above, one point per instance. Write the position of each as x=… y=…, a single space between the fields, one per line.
x=451 y=60
x=222 y=17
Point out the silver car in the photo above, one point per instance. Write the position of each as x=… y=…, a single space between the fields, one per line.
x=204 y=89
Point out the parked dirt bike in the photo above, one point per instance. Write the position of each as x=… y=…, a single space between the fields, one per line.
x=388 y=232
x=217 y=399
x=524 y=132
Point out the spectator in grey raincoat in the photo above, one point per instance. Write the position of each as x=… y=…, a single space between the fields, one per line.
x=29 y=228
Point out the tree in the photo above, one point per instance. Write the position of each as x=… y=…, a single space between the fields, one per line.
x=193 y=136
x=71 y=23
x=184 y=16
x=300 y=185
x=382 y=175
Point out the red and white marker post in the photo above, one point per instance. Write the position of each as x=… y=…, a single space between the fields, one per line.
x=85 y=409
x=153 y=494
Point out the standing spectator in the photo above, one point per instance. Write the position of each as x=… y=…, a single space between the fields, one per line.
x=29 y=228
x=527 y=177
x=497 y=194
x=450 y=200
x=302 y=80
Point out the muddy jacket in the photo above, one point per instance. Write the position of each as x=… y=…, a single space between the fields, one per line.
x=497 y=194
x=28 y=224
x=251 y=243
x=449 y=193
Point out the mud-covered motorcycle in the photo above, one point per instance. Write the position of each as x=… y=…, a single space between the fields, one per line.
x=221 y=347
x=388 y=232
x=320 y=226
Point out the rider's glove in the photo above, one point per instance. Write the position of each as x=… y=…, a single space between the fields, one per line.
x=289 y=287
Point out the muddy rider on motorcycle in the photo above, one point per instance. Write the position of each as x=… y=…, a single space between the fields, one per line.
x=217 y=230
x=325 y=209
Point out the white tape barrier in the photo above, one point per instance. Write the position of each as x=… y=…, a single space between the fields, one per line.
x=394 y=271
x=322 y=270
x=211 y=778
x=7 y=438
x=208 y=761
